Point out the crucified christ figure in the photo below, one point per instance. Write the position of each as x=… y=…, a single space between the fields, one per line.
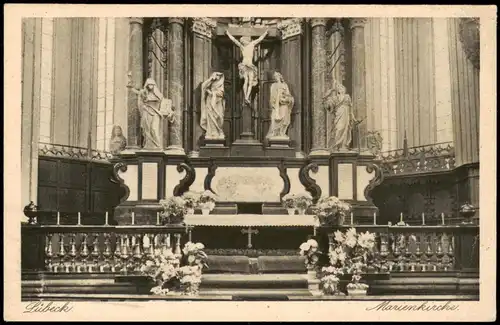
x=247 y=70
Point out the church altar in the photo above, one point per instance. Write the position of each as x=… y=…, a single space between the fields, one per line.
x=251 y=220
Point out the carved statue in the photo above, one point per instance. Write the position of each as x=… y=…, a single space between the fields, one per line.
x=339 y=102
x=247 y=70
x=281 y=102
x=118 y=142
x=153 y=107
x=213 y=106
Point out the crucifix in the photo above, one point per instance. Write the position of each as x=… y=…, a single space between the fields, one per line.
x=249 y=231
x=247 y=69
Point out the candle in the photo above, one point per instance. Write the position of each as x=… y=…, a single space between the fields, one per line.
x=375 y=218
x=401 y=217
x=157 y=218
x=79 y=218
x=442 y=218
x=58 y=218
x=133 y=217
x=423 y=219
x=106 y=221
x=352 y=219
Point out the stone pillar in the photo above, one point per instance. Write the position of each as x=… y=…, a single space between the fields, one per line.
x=358 y=79
x=291 y=56
x=176 y=83
x=318 y=67
x=30 y=92
x=464 y=59
x=136 y=71
x=202 y=52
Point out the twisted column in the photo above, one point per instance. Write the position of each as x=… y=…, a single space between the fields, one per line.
x=136 y=71
x=318 y=67
x=176 y=83
x=357 y=26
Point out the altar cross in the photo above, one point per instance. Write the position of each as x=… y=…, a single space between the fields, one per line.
x=249 y=231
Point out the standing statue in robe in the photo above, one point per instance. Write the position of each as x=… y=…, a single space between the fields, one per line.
x=339 y=102
x=281 y=102
x=247 y=70
x=153 y=108
x=213 y=106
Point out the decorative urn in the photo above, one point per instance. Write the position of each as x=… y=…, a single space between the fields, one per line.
x=467 y=211
x=31 y=212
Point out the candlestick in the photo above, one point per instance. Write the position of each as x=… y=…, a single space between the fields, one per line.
x=79 y=218
x=133 y=217
x=58 y=218
x=442 y=218
x=423 y=219
x=106 y=221
x=352 y=219
x=157 y=218
x=375 y=218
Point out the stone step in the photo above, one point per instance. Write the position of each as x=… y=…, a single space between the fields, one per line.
x=254 y=281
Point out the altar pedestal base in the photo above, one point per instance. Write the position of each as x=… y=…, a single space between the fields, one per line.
x=247 y=148
x=279 y=147
x=214 y=148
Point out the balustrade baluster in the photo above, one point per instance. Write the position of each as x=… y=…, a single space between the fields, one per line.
x=73 y=251
x=124 y=255
x=62 y=253
x=384 y=252
x=451 y=252
x=95 y=253
x=117 y=253
x=84 y=252
x=410 y=254
x=148 y=245
x=49 y=253
x=418 y=252
x=439 y=252
x=137 y=252
x=429 y=252
x=178 y=251
x=330 y=243
x=107 y=252
x=394 y=252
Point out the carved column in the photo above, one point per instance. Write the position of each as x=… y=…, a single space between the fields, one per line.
x=318 y=67
x=176 y=82
x=136 y=71
x=358 y=79
x=291 y=55
x=202 y=54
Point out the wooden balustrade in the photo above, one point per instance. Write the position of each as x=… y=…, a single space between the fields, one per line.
x=407 y=249
x=96 y=249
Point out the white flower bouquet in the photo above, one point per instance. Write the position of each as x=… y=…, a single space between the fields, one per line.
x=303 y=201
x=207 y=200
x=288 y=201
x=331 y=211
x=330 y=280
x=191 y=199
x=170 y=275
x=174 y=210
x=310 y=251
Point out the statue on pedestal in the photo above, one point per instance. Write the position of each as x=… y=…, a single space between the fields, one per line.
x=281 y=102
x=247 y=70
x=213 y=106
x=153 y=108
x=340 y=103
x=117 y=142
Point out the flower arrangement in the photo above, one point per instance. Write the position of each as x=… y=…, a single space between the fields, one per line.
x=352 y=253
x=300 y=201
x=331 y=211
x=207 y=200
x=309 y=250
x=165 y=269
x=330 y=280
x=191 y=201
x=174 y=210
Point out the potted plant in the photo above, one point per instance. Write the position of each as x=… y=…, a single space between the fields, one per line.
x=352 y=253
x=190 y=273
x=310 y=251
x=330 y=280
x=302 y=202
x=174 y=210
x=191 y=200
x=288 y=202
x=331 y=211
x=355 y=287
x=207 y=202
x=169 y=275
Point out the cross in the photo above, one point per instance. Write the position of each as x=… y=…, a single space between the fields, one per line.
x=249 y=231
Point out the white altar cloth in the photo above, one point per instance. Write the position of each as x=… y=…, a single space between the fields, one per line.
x=251 y=220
